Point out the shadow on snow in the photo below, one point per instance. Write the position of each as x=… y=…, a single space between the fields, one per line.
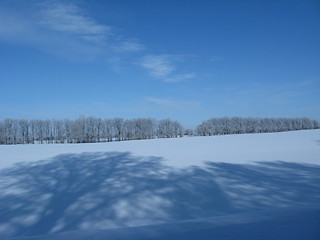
x=96 y=192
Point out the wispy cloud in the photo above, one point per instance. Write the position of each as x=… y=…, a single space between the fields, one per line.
x=159 y=66
x=173 y=103
x=164 y=67
x=64 y=29
x=129 y=46
x=180 y=77
x=69 y=18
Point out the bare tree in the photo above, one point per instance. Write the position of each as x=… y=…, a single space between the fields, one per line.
x=237 y=125
x=91 y=129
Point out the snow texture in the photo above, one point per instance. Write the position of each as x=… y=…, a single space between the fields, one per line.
x=253 y=186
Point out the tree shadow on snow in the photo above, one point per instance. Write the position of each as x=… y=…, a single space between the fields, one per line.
x=97 y=191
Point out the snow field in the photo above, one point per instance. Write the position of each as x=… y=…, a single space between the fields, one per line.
x=295 y=146
x=264 y=186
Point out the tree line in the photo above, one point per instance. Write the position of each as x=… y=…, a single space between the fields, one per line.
x=86 y=130
x=92 y=129
x=238 y=125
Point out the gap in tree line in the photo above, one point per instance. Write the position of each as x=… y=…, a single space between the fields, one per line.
x=92 y=129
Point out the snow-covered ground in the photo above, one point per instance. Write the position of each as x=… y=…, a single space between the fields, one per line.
x=295 y=146
x=251 y=186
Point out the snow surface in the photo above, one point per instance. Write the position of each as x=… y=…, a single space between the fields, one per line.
x=295 y=146
x=251 y=186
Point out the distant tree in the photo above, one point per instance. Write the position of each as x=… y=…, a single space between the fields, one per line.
x=188 y=132
x=118 y=124
x=236 y=125
x=168 y=128
x=92 y=129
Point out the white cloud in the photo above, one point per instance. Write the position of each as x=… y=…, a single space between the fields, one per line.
x=164 y=67
x=69 y=18
x=129 y=46
x=180 y=77
x=159 y=66
x=63 y=29
x=173 y=103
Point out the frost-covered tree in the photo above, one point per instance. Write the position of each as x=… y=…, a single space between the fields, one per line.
x=188 y=132
x=91 y=129
x=168 y=128
x=118 y=124
x=108 y=129
x=237 y=125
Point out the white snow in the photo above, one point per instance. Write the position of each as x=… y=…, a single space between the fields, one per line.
x=295 y=146
x=161 y=188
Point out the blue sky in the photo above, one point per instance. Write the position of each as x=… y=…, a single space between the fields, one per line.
x=186 y=60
